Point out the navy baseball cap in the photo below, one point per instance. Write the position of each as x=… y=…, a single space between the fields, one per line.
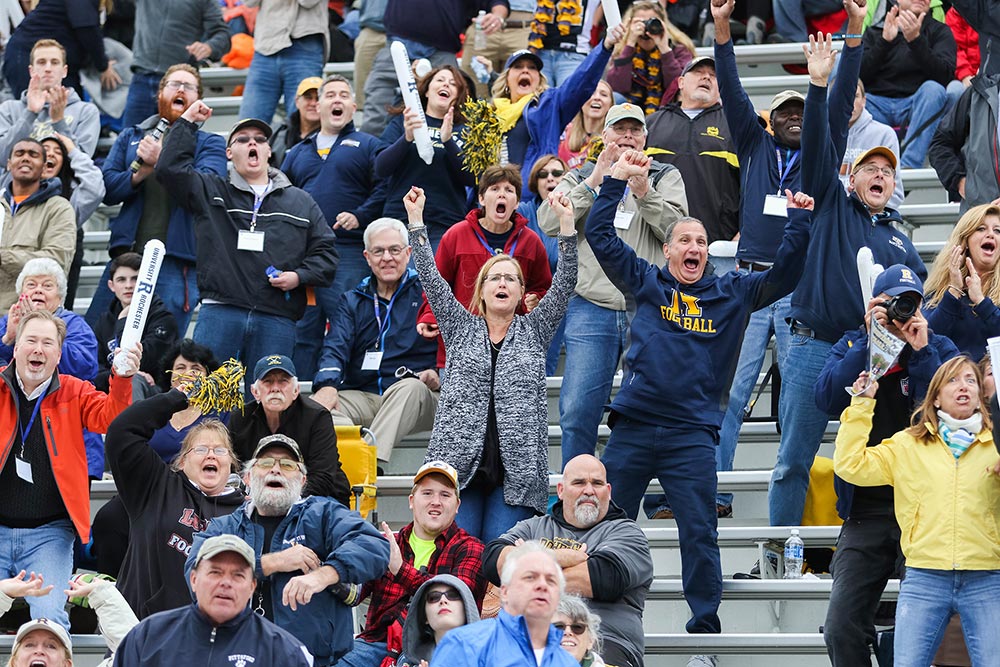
x=524 y=53
x=273 y=362
x=898 y=279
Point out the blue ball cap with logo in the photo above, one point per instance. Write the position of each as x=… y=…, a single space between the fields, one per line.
x=898 y=279
x=273 y=362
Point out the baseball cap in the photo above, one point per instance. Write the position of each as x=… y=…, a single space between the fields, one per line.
x=524 y=53
x=273 y=362
x=698 y=61
x=784 y=97
x=621 y=112
x=439 y=467
x=249 y=122
x=278 y=440
x=214 y=546
x=307 y=84
x=45 y=624
x=884 y=151
x=898 y=279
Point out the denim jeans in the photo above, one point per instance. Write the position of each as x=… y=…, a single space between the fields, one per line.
x=485 y=515
x=764 y=323
x=682 y=457
x=247 y=335
x=802 y=428
x=176 y=285
x=867 y=556
x=927 y=600
x=555 y=349
x=310 y=329
x=920 y=113
x=595 y=340
x=279 y=74
x=364 y=654
x=141 y=102
x=790 y=16
x=47 y=550
x=559 y=65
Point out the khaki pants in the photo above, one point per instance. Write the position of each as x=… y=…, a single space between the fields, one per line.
x=499 y=46
x=366 y=46
x=406 y=407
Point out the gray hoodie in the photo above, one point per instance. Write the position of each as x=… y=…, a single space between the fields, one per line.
x=418 y=638
x=81 y=123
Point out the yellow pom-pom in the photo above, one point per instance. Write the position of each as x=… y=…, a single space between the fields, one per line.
x=220 y=391
x=481 y=138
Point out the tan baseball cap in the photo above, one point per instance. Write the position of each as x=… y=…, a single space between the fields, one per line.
x=307 y=84
x=214 y=546
x=884 y=151
x=439 y=467
x=621 y=112
x=45 y=624
x=784 y=97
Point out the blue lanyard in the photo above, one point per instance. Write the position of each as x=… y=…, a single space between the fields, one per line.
x=495 y=251
x=388 y=310
x=621 y=202
x=31 y=422
x=788 y=167
x=257 y=201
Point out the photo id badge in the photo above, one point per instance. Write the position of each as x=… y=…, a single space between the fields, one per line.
x=373 y=360
x=23 y=469
x=776 y=205
x=252 y=241
x=623 y=219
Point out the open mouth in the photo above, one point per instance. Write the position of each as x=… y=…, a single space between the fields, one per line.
x=444 y=93
x=876 y=189
x=337 y=112
x=501 y=208
x=795 y=128
x=692 y=264
x=275 y=483
x=524 y=81
x=37 y=663
x=988 y=247
x=210 y=467
x=179 y=102
x=253 y=156
x=36 y=365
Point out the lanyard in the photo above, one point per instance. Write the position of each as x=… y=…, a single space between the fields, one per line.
x=621 y=202
x=788 y=167
x=388 y=309
x=257 y=201
x=494 y=251
x=31 y=422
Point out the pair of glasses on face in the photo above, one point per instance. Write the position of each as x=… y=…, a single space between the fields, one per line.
x=872 y=169
x=286 y=465
x=506 y=277
x=393 y=250
x=246 y=139
x=203 y=451
x=555 y=172
x=576 y=628
x=435 y=596
x=181 y=85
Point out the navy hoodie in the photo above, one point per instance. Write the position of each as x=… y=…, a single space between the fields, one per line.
x=697 y=327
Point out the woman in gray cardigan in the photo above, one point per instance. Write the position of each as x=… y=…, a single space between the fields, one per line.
x=492 y=419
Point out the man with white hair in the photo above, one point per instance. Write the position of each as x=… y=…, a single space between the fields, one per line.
x=306 y=549
x=280 y=408
x=603 y=554
x=531 y=584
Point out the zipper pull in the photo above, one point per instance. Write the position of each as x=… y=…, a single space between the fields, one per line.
x=211 y=640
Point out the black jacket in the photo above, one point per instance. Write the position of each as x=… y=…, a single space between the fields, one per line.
x=297 y=237
x=309 y=424
x=160 y=333
x=165 y=508
x=898 y=68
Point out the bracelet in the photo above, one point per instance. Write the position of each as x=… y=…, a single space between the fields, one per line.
x=592 y=191
x=853 y=36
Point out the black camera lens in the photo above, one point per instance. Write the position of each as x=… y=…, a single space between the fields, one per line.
x=901 y=308
x=653 y=26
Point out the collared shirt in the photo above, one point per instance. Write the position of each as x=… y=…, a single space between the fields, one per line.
x=39 y=390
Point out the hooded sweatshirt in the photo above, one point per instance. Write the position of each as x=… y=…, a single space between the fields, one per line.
x=81 y=122
x=418 y=638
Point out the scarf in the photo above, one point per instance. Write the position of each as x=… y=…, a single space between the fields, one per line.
x=566 y=15
x=510 y=112
x=958 y=434
x=647 y=83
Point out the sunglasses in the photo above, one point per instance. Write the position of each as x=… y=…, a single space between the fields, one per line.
x=555 y=172
x=246 y=139
x=577 y=628
x=435 y=596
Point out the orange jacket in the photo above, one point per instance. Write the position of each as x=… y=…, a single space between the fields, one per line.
x=69 y=406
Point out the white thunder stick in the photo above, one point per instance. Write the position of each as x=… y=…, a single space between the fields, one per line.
x=612 y=14
x=421 y=137
x=142 y=297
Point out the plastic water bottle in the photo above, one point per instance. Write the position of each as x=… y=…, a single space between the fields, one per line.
x=479 y=42
x=482 y=74
x=794 y=552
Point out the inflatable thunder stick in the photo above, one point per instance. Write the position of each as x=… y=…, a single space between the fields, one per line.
x=142 y=298
x=421 y=137
x=612 y=13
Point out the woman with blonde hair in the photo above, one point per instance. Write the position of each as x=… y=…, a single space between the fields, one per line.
x=586 y=126
x=647 y=63
x=945 y=475
x=963 y=289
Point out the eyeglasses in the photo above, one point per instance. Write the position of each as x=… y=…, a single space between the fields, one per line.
x=576 y=628
x=287 y=465
x=246 y=139
x=506 y=277
x=202 y=450
x=555 y=172
x=394 y=250
x=634 y=130
x=872 y=169
x=181 y=85
x=435 y=596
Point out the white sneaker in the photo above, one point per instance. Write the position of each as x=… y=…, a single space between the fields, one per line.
x=703 y=661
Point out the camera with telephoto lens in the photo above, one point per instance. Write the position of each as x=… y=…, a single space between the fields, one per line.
x=902 y=307
x=653 y=26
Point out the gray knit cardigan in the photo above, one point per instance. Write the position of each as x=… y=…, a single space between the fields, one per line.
x=519 y=390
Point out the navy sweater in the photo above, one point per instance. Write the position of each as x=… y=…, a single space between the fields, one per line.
x=698 y=326
x=344 y=181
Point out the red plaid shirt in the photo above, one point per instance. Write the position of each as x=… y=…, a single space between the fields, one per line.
x=456 y=553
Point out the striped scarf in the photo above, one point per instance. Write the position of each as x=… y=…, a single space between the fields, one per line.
x=958 y=434
x=566 y=15
x=647 y=84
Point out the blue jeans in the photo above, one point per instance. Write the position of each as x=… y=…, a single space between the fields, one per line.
x=559 y=65
x=555 y=349
x=764 y=323
x=485 y=515
x=927 y=600
x=682 y=457
x=310 y=329
x=141 y=102
x=47 y=550
x=920 y=113
x=364 y=654
x=595 y=340
x=176 y=285
x=802 y=428
x=238 y=333
x=279 y=74
x=790 y=16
